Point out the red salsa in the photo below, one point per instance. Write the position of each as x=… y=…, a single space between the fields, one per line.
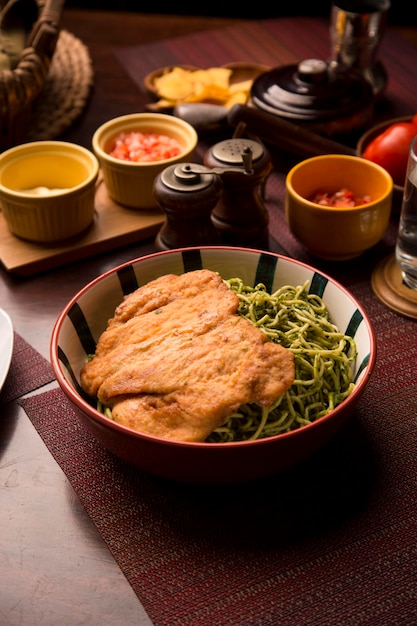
x=145 y=147
x=342 y=199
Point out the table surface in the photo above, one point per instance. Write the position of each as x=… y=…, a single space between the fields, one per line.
x=50 y=539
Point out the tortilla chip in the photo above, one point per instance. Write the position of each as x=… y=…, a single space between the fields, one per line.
x=178 y=85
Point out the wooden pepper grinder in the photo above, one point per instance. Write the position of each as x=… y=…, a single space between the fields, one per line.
x=187 y=193
x=240 y=215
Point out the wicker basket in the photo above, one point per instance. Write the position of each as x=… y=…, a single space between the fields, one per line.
x=19 y=87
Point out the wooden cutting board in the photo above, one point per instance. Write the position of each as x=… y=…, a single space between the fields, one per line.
x=113 y=226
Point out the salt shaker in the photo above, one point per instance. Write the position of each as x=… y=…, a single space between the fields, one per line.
x=240 y=215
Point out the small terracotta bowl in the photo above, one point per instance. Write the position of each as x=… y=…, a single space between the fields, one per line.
x=333 y=233
x=365 y=140
x=130 y=183
x=47 y=190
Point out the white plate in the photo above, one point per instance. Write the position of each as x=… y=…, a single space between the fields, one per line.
x=6 y=345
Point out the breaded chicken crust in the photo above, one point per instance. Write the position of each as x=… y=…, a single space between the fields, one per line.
x=177 y=360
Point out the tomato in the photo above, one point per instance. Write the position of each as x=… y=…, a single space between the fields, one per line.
x=390 y=149
x=145 y=147
x=340 y=199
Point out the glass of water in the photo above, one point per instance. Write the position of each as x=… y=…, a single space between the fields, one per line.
x=406 y=248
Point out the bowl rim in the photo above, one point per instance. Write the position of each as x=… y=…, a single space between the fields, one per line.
x=131 y=117
x=339 y=157
x=102 y=420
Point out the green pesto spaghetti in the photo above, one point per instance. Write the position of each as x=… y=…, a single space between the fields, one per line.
x=323 y=358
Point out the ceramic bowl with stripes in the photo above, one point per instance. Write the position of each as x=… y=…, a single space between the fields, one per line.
x=85 y=317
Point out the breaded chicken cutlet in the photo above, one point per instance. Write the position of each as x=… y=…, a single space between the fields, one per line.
x=177 y=360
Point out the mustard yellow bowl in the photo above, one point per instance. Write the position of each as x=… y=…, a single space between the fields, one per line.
x=130 y=183
x=47 y=190
x=332 y=232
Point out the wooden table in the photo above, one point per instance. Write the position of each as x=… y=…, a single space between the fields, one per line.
x=54 y=566
x=58 y=568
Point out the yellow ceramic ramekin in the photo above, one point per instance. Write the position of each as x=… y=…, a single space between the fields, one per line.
x=131 y=183
x=47 y=190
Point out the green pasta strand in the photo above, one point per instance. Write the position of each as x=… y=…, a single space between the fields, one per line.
x=323 y=358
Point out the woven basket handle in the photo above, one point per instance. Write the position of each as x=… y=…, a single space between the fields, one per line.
x=44 y=34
